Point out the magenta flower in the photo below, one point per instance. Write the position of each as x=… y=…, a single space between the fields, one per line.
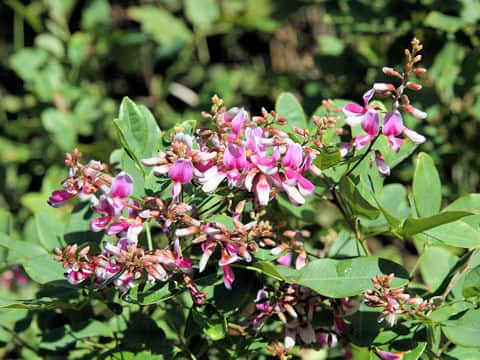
x=354 y=113
x=122 y=186
x=392 y=127
x=181 y=173
x=60 y=197
x=370 y=124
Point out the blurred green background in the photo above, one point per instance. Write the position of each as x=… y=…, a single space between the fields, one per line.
x=66 y=64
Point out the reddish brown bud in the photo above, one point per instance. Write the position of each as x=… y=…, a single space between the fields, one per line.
x=414 y=86
x=420 y=70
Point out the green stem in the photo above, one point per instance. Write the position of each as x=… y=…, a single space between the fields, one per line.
x=458 y=274
x=418 y=262
x=18 y=32
x=365 y=154
x=149 y=236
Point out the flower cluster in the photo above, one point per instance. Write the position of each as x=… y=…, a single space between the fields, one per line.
x=395 y=302
x=368 y=115
x=235 y=244
x=295 y=306
x=250 y=154
x=121 y=267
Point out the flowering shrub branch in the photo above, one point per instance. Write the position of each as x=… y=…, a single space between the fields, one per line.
x=227 y=201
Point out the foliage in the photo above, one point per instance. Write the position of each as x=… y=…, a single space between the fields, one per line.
x=69 y=64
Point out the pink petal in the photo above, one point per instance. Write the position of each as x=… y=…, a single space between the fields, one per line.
x=122 y=186
x=262 y=190
x=370 y=122
x=382 y=166
x=354 y=108
x=99 y=224
x=176 y=190
x=387 y=355
x=395 y=143
x=117 y=227
x=305 y=186
x=413 y=136
x=235 y=157
x=208 y=248
x=301 y=260
x=393 y=124
x=181 y=171
x=354 y=120
x=59 y=197
x=285 y=260
x=293 y=194
x=368 y=96
x=212 y=179
x=228 y=277
x=294 y=156
x=238 y=121
x=361 y=140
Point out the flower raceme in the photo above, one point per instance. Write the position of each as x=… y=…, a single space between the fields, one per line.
x=248 y=155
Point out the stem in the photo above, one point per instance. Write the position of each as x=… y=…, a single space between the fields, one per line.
x=418 y=262
x=18 y=31
x=337 y=199
x=365 y=154
x=149 y=236
x=459 y=274
x=19 y=340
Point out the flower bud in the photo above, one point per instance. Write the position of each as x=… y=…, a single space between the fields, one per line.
x=414 y=86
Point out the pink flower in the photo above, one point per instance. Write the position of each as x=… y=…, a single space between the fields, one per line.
x=392 y=127
x=181 y=173
x=370 y=124
x=355 y=113
x=122 y=186
x=59 y=197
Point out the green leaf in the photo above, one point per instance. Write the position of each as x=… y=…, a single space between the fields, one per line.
x=446 y=69
x=464 y=353
x=465 y=330
x=432 y=274
x=138 y=130
x=471 y=284
x=349 y=277
x=50 y=43
x=457 y=233
x=444 y=22
x=96 y=13
x=449 y=310
x=79 y=47
x=202 y=13
x=329 y=156
x=288 y=106
x=356 y=202
x=412 y=226
x=470 y=202
x=50 y=230
x=275 y=271
x=330 y=45
x=61 y=126
x=164 y=27
x=427 y=189
x=24 y=249
x=150 y=294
